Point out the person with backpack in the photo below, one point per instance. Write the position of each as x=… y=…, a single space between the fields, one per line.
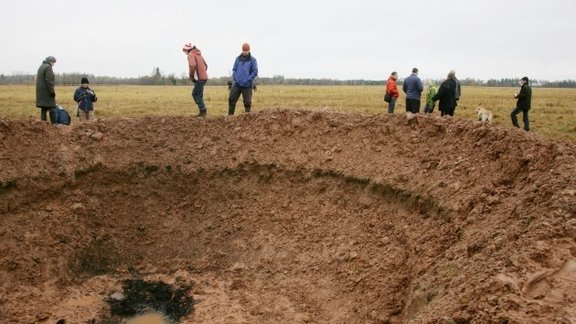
x=198 y=73
x=85 y=98
x=45 y=91
x=244 y=71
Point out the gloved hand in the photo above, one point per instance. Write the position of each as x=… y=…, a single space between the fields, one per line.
x=53 y=95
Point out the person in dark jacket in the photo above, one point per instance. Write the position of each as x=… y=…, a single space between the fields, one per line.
x=45 y=92
x=244 y=72
x=447 y=95
x=458 y=91
x=85 y=97
x=523 y=103
x=413 y=88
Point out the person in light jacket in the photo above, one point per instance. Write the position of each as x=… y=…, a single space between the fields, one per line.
x=244 y=71
x=198 y=74
x=430 y=93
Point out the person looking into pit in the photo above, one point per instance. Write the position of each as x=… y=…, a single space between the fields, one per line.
x=244 y=71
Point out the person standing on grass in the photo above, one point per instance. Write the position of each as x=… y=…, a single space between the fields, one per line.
x=244 y=71
x=45 y=91
x=430 y=93
x=413 y=88
x=197 y=71
x=447 y=95
x=458 y=89
x=85 y=97
x=392 y=90
x=523 y=103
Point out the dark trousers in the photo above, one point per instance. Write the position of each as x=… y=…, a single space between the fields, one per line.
x=235 y=93
x=429 y=108
x=198 y=94
x=514 y=117
x=413 y=105
x=391 y=106
x=47 y=111
x=448 y=111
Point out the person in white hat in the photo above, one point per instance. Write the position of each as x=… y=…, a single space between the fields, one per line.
x=197 y=71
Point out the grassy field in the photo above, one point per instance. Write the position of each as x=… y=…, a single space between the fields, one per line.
x=553 y=111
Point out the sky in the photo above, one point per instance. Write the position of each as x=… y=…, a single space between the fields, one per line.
x=336 y=39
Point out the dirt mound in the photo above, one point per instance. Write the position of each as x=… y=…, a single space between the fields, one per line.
x=289 y=216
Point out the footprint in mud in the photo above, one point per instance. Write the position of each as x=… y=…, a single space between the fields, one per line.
x=543 y=283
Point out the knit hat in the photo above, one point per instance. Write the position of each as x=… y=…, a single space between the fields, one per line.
x=245 y=47
x=187 y=48
x=84 y=81
x=50 y=59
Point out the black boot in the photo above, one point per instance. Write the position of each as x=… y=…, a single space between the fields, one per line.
x=202 y=113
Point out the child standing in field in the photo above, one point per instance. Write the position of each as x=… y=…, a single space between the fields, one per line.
x=430 y=93
x=85 y=97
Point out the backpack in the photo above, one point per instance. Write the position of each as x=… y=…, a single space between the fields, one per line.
x=62 y=116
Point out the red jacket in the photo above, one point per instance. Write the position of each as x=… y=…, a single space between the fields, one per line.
x=392 y=88
x=197 y=65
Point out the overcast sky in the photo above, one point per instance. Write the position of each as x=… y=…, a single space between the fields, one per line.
x=360 y=39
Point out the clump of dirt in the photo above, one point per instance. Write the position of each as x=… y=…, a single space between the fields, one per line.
x=289 y=216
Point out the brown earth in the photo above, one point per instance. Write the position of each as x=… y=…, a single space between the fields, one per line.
x=289 y=217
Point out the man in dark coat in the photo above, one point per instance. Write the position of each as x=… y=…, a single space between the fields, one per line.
x=413 y=88
x=447 y=95
x=523 y=103
x=45 y=93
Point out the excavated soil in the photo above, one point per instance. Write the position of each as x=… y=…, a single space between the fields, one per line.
x=289 y=217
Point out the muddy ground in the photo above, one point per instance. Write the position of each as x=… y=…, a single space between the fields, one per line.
x=289 y=217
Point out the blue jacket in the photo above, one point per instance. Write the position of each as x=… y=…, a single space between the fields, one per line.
x=244 y=71
x=85 y=97
x=413 y=87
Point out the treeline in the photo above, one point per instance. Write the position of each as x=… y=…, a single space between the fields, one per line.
x=159 y=78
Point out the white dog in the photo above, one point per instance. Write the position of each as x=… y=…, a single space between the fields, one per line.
x=484 y=115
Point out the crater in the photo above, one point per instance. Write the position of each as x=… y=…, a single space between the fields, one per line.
x=286 y=216
x=284 y=244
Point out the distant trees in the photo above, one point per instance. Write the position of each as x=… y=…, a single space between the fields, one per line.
x=156 y=77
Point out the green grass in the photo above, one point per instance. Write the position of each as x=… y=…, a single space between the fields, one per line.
x=553 y=111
